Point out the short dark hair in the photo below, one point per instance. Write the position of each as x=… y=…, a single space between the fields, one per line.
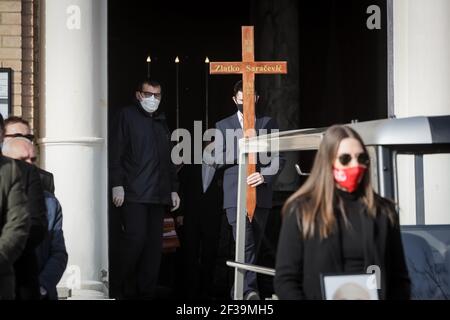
x=238 y=87
x=149 y=82
x=14 y=120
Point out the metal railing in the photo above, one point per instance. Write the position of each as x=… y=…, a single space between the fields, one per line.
x=250 y=267
x=300 y=140
x=378 y=133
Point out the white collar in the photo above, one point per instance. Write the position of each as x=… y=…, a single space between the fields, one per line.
x=241 y=118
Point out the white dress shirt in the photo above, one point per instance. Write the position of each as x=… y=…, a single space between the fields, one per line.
x=241 y=118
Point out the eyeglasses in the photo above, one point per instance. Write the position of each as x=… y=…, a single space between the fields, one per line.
x=19 y=135
x=148 y=94
x=362 y=158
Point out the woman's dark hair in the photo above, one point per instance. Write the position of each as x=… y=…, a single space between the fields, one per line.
x=314 y=201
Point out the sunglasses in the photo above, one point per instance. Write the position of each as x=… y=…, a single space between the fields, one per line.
x=19 y=135
x=362 y=158
x=148 y=94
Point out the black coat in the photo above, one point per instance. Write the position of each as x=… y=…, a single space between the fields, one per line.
x=47 y=181
x=230 y=176
x=300 y=262
x=14 y=224
x=34 y=191
x=141 y=157
x=26 y=268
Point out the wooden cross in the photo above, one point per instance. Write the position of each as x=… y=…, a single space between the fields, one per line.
x=248 y=68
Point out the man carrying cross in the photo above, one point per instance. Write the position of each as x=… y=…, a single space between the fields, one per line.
x=261 y=181
x=260 y=176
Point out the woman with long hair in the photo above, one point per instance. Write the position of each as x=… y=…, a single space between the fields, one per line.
x=336 y=224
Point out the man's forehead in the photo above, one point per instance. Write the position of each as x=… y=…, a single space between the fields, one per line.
x=17 y=128
x=147 y=87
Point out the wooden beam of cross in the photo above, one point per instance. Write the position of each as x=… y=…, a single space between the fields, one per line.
x=248 y=68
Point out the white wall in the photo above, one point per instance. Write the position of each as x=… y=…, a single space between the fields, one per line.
x=421 y=57
x=407 y=189
x=422 y=88
x=74 y=124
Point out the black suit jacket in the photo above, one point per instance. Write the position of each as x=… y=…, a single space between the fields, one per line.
x=141 y=157
x=230 y=178
x=300 y=262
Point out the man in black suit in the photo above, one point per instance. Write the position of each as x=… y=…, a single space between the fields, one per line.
x=262 y=180
x=145 y=186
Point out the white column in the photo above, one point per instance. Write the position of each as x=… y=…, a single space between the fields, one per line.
x=421 y=72
x=421 y=57
x=74 y=126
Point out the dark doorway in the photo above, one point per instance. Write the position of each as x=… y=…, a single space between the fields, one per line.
x=164 y=30
x=343 y=64
x=341 y=67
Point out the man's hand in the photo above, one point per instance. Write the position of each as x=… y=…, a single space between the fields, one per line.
x=255 y=179
x=175 y=201
x=118 y=196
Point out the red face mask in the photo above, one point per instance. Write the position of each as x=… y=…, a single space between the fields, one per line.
x=349 y=178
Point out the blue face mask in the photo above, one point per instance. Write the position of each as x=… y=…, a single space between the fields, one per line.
x=150 y=104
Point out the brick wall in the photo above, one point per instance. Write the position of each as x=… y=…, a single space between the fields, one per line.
x=27 y=60
x=11 y=46
x=18 y=50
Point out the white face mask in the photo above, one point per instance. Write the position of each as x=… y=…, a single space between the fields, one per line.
x=150 y=104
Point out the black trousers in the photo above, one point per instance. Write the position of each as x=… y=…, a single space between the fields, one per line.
x=254 y=237
x=140 y=249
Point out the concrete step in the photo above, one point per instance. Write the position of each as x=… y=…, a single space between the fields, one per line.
x=89 y=290
x=88 y=295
